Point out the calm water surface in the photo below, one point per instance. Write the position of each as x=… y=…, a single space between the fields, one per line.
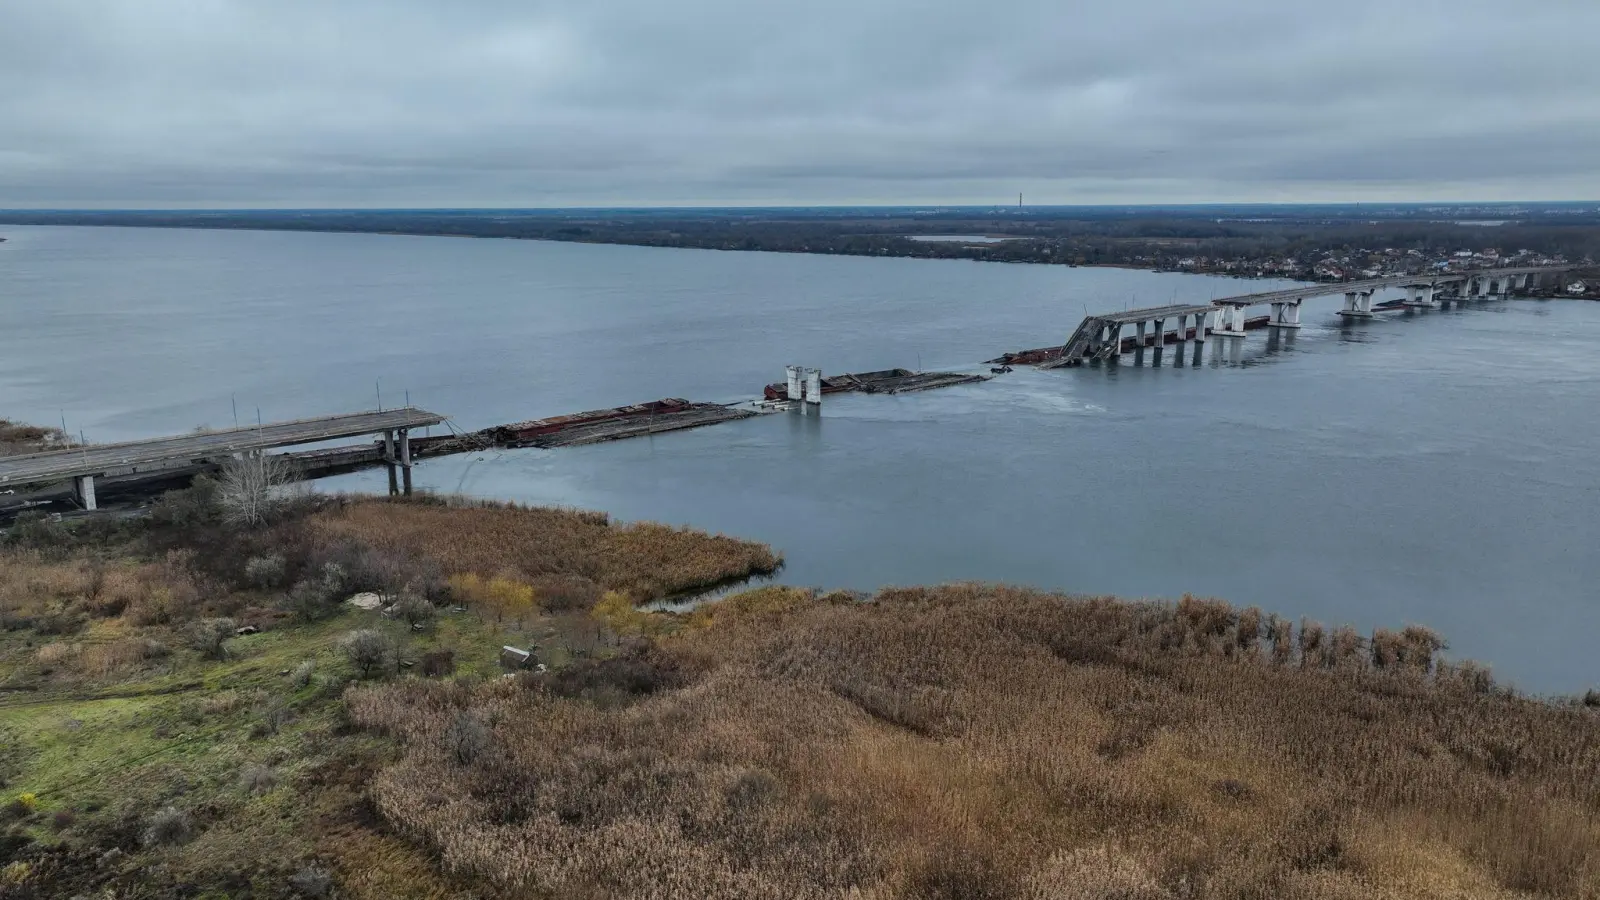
x=1435 y=467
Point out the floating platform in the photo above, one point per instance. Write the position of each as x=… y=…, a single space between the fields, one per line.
x=884 y=381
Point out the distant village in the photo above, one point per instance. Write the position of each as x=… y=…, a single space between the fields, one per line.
x=1363 y=263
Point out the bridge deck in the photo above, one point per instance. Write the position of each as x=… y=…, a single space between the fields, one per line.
x=1373 y=284
x=56 y=465
x=1154 y=312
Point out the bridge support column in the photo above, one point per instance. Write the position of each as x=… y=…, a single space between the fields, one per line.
x=1115 y=352
x=83 y=491
x=405 y=459
x=389 y=462
x=814 y=386
x=1420 y=296
x=792 y=388
x=1230 y=321
x=1286 y=314
x=1357 y=305
x=1161 y=333
x=1200 y=327
x=1139 y=328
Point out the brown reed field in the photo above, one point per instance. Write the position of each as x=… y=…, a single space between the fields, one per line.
x=976 y=741
x=547 y=546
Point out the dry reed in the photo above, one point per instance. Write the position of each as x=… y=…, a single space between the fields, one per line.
x=972 y=741
x=551 y=546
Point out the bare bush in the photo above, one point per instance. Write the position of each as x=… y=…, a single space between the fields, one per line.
x=466 y=739
x=301 y=676
x=258 y=779
x=413 y=609
x=265 y=572
x=438 y=663
x=312 y=881
x=210 y=637
x=369 y=650
x=166 y=827
x=253 y=488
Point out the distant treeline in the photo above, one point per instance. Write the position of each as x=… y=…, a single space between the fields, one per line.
x=1065 y=235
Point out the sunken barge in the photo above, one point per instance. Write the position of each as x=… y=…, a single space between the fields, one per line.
x=884 y=381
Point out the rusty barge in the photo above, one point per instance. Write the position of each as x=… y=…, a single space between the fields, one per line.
x=595 y=426
x=884 y=381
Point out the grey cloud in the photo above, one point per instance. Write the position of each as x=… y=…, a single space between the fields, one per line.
x=403 y=102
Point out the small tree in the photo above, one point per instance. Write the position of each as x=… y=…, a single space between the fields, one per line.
x=369 y=650
x=210 y=637
x=466 y=738
x=413 y=609
x=252 y=488
x=265 y=572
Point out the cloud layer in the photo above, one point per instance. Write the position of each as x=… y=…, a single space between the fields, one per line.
x=228 y=103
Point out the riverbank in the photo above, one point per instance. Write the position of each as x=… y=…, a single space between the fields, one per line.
x=1328 y=245
x=189 y=707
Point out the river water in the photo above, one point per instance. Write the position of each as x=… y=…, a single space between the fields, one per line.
x=1435 y=468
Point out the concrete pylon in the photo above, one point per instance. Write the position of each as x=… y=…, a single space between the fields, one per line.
x=814 y=386
x=793 y=390
x=1230 y=321
x=83 y=491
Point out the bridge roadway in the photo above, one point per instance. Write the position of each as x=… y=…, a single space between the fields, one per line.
x=84 y=463
x=1369 y=285
x=1100 y=336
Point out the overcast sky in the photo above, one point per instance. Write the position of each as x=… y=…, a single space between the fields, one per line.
x=229 y=103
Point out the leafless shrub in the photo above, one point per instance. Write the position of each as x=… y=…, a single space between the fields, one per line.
x=274 y=714
x=413 y=609
x=301 y=675
x=369 y=650
x=438 y=663
x=258 y=779
x=312 y=881
x=265 y=572
x=252 y=488
x=466 y=739
x=167 y=826
x=210 y=637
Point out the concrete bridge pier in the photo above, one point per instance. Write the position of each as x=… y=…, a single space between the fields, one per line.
x=1421 y=296
x=1286 y=314
x=83 y=491
x=1357 y=305
x=814 y=386
x=1200 y=327
x=1161 y=332
x=405 y=460
x=398 y=463
x=1114 y=354
x=1230 y=321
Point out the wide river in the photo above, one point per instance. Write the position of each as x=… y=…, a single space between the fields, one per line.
x=1438 y=468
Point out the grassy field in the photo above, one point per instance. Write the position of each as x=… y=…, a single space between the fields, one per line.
x=149 y=749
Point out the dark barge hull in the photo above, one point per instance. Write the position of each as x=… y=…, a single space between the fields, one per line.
x=884 y=381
